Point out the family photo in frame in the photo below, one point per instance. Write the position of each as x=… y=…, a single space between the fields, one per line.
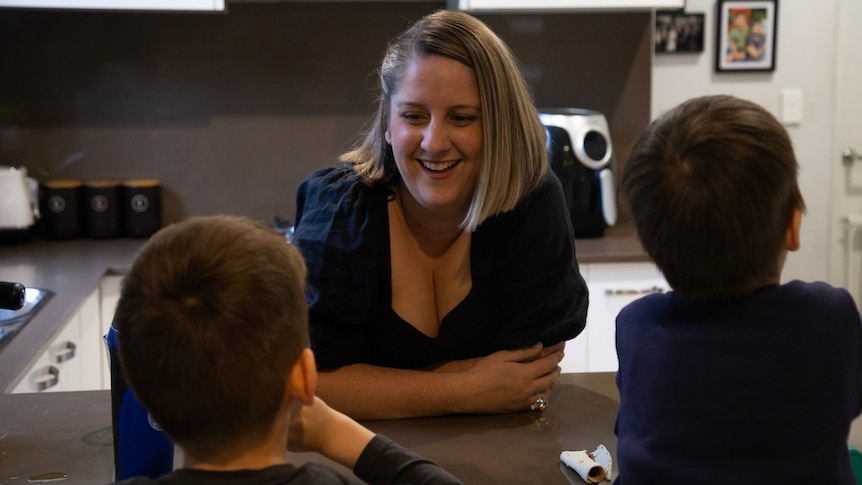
x=678 y=32
x=746 y=35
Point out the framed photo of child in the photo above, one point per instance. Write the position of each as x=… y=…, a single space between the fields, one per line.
x=746 y=35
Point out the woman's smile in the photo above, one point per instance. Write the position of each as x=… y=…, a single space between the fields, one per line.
x=438 y=166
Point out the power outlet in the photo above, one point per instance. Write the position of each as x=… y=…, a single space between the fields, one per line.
x=791 y=106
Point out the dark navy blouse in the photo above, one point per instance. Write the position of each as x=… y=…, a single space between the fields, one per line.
x=526 y=283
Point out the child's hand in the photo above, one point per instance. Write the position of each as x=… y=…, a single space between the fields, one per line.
x=307 y=425
x=318 y=427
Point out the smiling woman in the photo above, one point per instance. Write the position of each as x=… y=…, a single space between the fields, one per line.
x=442 y=271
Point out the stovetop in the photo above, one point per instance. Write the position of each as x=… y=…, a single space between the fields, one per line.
x=11 y=321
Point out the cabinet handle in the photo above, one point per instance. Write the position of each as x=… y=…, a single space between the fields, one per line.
x=45 y=378
x=850 y=156
x=633 y=291
x=63 y=352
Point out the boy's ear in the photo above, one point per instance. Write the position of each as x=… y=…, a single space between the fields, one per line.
x=302 y=381
x=792 y=239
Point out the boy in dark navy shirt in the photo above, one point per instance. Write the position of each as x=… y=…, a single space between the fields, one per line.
x=732 y=377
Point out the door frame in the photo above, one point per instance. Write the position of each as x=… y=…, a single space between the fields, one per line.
x=846 y=261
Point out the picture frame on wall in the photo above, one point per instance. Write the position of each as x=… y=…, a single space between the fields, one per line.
x=746 y=35
x=678 y=32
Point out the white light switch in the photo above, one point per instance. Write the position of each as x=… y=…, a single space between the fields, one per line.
x=791 y=106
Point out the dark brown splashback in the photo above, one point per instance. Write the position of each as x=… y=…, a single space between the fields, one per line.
x=231 y=110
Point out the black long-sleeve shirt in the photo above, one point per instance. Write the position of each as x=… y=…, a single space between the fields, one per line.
x=382 y=462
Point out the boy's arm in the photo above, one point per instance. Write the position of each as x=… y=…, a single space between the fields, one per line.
x=373 y=458
x=322 y=429
x=385 y=461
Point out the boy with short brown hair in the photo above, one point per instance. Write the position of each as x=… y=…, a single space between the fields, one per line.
x=732 y=377
x=213 y=337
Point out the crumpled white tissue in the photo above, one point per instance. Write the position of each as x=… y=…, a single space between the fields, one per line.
x=592 y=467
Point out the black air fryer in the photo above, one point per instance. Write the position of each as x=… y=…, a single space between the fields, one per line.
x=581 y=155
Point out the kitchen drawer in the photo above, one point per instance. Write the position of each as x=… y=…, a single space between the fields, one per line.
x=58 y=368
x=612 y=286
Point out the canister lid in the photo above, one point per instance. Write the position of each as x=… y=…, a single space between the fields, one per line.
x=142 y=183
x=102 y=183
x=62 y=183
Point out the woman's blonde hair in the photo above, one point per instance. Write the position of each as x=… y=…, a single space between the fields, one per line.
x=514 y=156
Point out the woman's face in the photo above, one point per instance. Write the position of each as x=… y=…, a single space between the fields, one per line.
x=435 y=130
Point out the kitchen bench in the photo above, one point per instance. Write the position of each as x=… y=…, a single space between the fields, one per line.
x=68 y=434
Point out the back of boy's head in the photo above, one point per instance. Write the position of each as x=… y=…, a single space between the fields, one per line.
x=712 y=186
x=211 y=317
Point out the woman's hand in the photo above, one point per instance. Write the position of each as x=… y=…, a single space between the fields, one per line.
x=512 y=380
x=505 y=381
x=463 y=365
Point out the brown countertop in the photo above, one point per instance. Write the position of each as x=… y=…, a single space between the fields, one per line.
x=69 y=433
x=65 y=433
x=619 y=244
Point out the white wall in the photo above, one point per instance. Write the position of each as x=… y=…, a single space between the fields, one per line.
x=805 y=59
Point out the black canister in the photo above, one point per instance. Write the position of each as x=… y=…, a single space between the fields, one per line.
x=61 y=208
x=142 y=207
x=101 y=208
x=140 y=447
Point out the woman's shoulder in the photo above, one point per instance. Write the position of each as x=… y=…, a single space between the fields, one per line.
x=543 y=205
x=337 y=188
x=546 y=200
x=549 y=187
x=330 y=180
x=335 y=202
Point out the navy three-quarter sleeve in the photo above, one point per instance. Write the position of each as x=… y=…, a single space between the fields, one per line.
x=338 y=229
x=540 y=294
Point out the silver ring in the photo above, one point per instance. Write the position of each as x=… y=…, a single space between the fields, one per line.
x=540 y=405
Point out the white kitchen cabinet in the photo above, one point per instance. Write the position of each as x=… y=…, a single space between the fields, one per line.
x=90 y=347
x=75 y=359
x=612 y=286
x=181 y=5
x=65 y=353
x=60 y=366
x=561 y=5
